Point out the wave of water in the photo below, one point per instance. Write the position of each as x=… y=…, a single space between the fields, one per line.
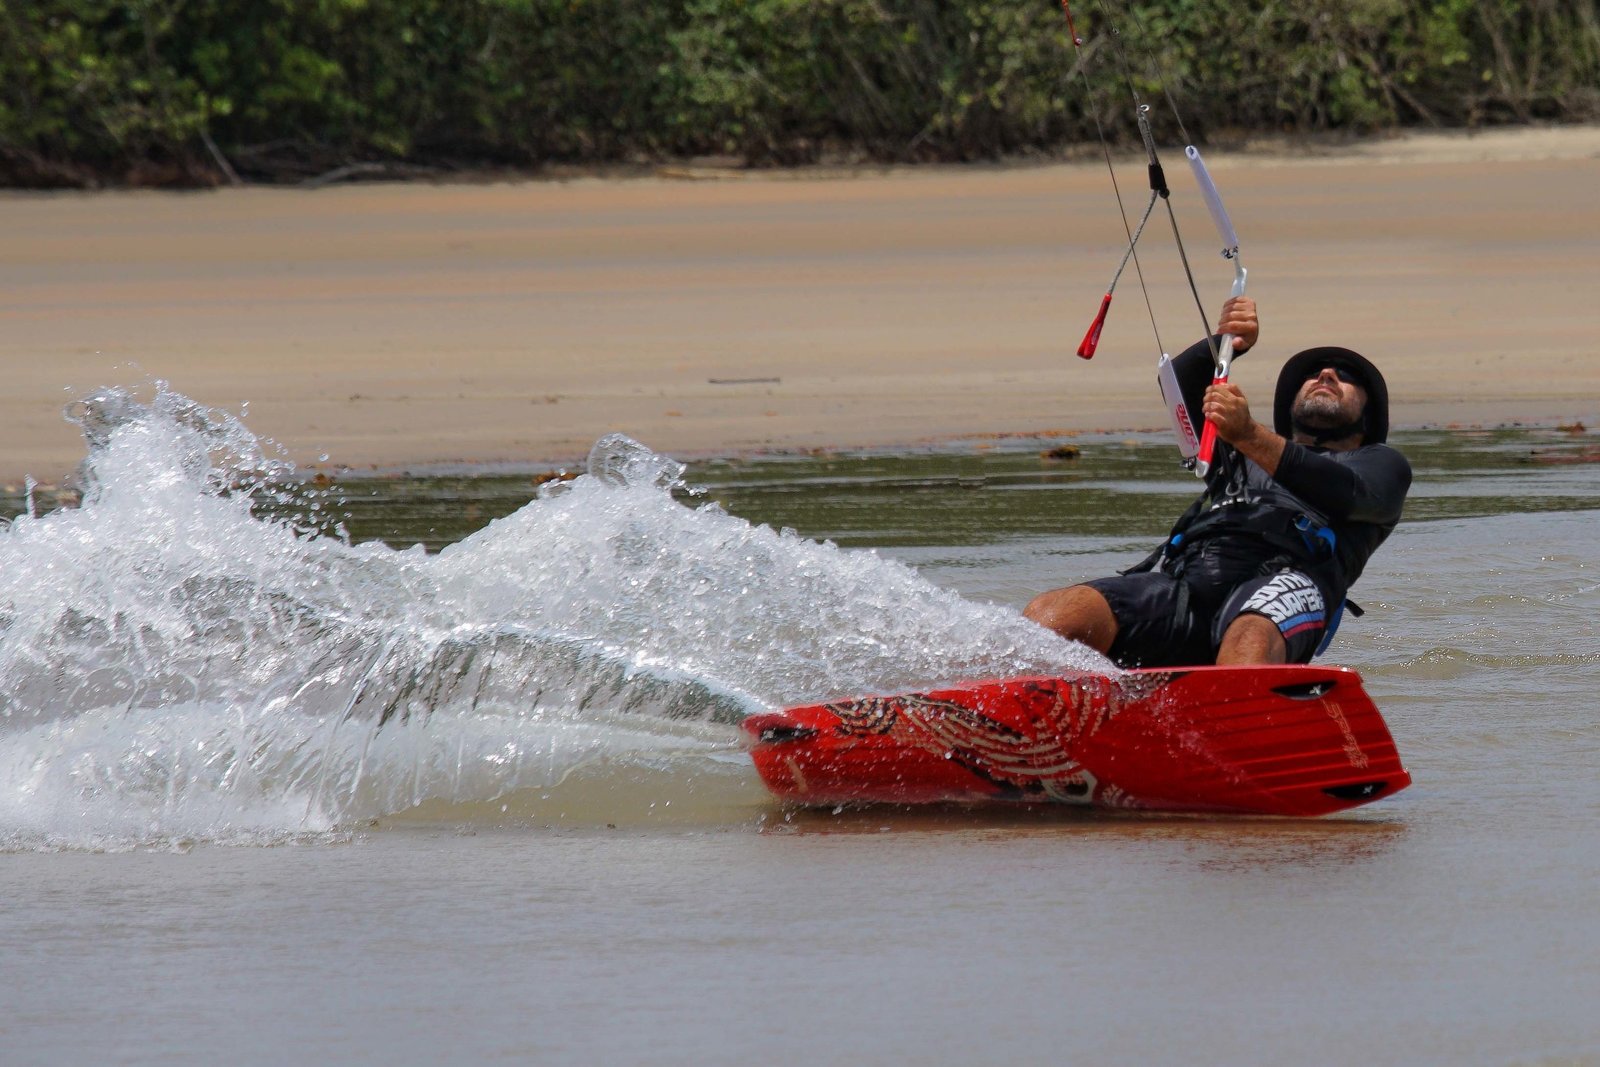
x=177 y=665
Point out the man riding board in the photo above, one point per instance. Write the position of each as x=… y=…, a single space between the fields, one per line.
x=1257 y=569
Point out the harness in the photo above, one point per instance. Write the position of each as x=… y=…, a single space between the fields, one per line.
x=1333 y=623
x=1299 y=538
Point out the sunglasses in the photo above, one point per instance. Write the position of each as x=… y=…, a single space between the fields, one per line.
x=1344 y=374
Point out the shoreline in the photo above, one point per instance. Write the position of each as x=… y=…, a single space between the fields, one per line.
x=998 y=441
x=995 y=440
x=406 y=326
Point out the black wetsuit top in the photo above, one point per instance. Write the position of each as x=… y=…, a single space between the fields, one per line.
x=1323 y=513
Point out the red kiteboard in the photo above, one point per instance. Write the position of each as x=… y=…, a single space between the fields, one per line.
x=1292 y=740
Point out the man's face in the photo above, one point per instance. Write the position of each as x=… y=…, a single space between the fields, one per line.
x=1329 y=398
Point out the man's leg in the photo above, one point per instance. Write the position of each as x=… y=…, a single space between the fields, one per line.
x=1252 y=639
x=1278 y=618
x=1078 y=613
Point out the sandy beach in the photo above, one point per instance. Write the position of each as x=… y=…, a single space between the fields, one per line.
x=713 y=311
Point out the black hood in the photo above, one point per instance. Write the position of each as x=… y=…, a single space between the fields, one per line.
x=1299 y=367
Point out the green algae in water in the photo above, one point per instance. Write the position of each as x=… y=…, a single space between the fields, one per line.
x=1117 y=487
x=962 y=494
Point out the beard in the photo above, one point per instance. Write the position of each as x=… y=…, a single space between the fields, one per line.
x=1319 y=411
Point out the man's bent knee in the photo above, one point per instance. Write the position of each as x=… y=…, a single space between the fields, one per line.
x=1078 y=613
x=1252 y=639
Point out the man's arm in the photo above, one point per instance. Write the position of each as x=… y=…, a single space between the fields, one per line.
x=1367 y=484
x=1194 y=366
x=1227 y=408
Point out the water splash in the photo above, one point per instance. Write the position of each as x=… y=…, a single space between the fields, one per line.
x=177 y=664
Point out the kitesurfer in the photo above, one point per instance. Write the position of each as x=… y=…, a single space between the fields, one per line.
x=1257 y=569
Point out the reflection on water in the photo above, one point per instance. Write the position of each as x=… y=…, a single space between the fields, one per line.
x=1299 y=850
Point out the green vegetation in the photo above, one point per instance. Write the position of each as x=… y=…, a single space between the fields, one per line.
x=198 y=91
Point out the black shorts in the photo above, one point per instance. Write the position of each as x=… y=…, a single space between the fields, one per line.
x=1161 y=624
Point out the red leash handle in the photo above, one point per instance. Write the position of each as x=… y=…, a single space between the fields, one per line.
x=1091 y=340
x=1208 y=439
x=1208 y=435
